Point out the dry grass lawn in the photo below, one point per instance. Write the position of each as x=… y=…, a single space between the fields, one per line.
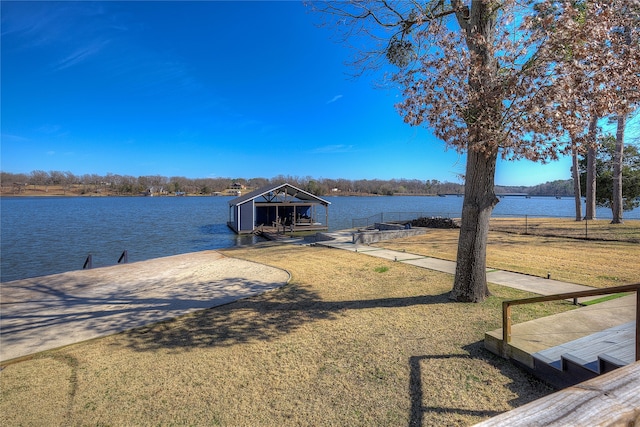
x=587 y=262
x=351 y=341
x=599 y=229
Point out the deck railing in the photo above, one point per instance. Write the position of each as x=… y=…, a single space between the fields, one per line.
x=506 y=309
x=611 y=399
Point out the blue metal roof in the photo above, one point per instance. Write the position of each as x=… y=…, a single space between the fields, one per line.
x=273 y=191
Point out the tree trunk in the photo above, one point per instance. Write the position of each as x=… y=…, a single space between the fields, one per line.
x=591 y=171
x=470 y=283
x=575 y=173
x=616 y=206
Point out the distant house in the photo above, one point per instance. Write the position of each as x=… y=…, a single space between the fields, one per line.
x=277 y=206
x=237 y=186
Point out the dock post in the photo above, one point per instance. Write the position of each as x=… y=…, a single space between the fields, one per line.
x=88 y=263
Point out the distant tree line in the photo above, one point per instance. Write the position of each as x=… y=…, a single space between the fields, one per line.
x=563 y=187
x=130 y=185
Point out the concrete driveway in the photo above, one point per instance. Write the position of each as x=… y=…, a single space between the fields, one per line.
x=53 y=311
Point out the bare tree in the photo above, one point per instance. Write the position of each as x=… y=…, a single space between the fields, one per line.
x=596 y=46
x=253 y=182
x=68 y=181
x=486 y=78
x=575 y=175
x=617 y=206
x=56 y=177
x=590 y=211
x=39 y=177
x=625 y=48
x=466 y=75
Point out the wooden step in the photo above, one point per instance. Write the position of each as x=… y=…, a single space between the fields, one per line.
x=578 y=369
x=608 y=362
x=580 y=360
x=617 y=341
x=538 y=345
x=618 y=351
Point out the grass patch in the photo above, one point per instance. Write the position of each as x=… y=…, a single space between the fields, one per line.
x=605 y=298
x=341 y=344
x=382 y=269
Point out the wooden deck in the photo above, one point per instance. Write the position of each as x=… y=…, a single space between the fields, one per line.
x=607 y=400
x=278 y=232
x=570 y=347
x=299 y=228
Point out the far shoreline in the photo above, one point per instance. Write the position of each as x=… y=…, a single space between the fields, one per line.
x=47 y=194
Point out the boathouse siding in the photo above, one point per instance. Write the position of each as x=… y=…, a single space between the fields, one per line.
x=277 y=206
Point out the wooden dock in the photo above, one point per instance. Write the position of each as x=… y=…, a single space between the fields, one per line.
x=279 y=232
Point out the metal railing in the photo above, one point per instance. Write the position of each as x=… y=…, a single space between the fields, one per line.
x=557 y=226
x=88 y=262
x=124 y=258
x=506 y=309
x=541 y=225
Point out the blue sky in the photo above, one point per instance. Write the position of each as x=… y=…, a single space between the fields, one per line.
x=205 y=89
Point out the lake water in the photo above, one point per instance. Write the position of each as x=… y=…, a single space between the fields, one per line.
x=41 y=236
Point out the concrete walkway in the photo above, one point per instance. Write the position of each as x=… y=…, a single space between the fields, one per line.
x=528 y=337
x=524 y=282
x=48 y=312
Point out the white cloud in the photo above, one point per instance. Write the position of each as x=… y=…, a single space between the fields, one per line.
x=49 y=129
x=7 y=138
x=334 y=99
x=80 y=55
x=337 y=148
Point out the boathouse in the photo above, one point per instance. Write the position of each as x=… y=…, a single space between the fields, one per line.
x=276 y=207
